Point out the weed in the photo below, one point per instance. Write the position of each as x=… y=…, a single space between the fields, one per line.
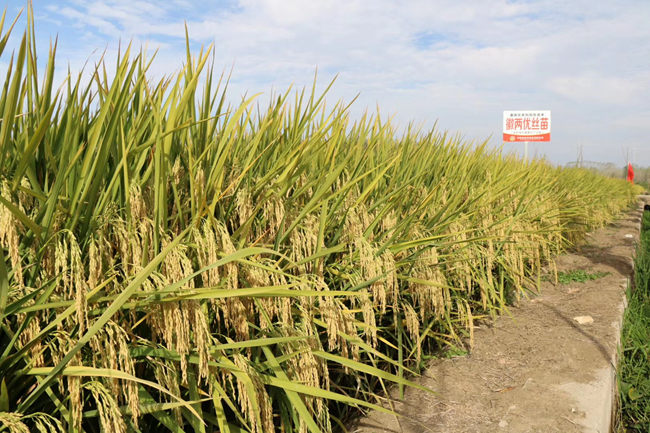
x=455 y=352
x=579 y=276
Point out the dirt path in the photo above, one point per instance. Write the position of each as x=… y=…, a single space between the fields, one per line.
x=539 y=370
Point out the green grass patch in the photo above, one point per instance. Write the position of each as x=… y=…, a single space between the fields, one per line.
x=579 y=276
x=455 y=352
x=634 y=360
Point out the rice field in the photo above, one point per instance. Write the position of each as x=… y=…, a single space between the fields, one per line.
x=172 y=262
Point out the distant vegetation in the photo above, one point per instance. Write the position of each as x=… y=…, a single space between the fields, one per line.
x=641 y=174
x=172 y=263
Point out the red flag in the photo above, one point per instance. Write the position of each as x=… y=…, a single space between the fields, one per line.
x=630 y=173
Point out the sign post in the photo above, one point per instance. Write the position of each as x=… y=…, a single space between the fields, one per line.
x=526 y=126
x=525 y=151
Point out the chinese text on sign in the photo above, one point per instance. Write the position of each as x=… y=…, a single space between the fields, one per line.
x=528 y=125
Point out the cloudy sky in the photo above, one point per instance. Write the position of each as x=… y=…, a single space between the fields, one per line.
x=459 y=63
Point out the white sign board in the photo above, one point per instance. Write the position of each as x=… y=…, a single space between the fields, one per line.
x=526 y=125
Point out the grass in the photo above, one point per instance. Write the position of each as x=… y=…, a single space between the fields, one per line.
x=579 y=276
x=455 y=352
x=634 y=357
x=170 y=262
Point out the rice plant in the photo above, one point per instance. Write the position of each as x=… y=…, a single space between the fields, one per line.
x=172 y=262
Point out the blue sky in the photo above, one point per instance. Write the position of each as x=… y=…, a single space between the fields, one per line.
x=458 y=62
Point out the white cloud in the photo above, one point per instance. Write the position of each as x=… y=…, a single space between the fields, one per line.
x=634 y=121
x=593 y=87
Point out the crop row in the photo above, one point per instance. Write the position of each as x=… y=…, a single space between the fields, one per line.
x=170 y=261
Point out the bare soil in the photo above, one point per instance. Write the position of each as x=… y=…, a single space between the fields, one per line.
x=536 y=369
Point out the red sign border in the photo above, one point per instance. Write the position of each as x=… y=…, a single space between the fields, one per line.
x=513 y=138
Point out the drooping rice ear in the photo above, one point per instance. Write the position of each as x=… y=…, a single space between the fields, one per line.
x=110 y=417
x=10 y=228
x=111 y=350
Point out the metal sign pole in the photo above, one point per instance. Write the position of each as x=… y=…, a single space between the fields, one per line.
x=526 y=151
